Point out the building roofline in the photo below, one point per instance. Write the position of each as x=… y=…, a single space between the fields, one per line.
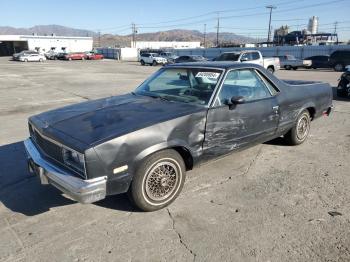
x=26 y=37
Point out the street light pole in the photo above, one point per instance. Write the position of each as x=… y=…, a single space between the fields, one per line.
x=269 y=31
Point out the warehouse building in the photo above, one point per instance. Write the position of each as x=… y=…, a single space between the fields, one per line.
x=10 y=44
x=165 y=44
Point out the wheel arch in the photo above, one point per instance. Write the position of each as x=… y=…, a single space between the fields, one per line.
x=179 y=147
x=312 y=111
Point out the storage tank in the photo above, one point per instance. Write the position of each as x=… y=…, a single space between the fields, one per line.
x=313 y=25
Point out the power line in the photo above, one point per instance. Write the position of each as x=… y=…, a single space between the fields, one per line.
x=220 y=11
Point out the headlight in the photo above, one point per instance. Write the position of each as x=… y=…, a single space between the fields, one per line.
x=73 y=159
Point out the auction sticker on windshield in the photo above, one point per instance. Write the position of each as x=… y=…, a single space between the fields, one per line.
x=208 y=74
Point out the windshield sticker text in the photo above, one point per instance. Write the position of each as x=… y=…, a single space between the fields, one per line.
x=208 y=75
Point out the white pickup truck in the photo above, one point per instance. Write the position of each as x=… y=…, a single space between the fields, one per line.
x=251 y=56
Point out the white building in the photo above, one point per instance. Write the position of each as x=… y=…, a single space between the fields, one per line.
x=164 y=44
x=10 y=44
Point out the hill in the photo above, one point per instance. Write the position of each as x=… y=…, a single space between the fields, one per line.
x=111 y=40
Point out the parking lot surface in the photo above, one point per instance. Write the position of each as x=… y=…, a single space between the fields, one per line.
x=272 y=202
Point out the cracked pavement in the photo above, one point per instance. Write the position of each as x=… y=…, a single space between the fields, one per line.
x=270 y=202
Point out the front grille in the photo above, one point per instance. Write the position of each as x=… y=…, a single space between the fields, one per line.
x=51 y=149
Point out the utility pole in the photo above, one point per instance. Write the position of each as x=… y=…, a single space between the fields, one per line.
x=269 y=31
x=217 y=30
x=205 y=36
x=335 y=30
x=134 y=32
x=99 y=38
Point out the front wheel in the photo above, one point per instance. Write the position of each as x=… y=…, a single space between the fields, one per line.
x=287 y=67
x=158 y=180
x=299 y=133
x=295 y=68
x=154 y=63
x=142 y=62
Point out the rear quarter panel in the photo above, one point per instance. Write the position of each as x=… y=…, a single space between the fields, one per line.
x=293 y=99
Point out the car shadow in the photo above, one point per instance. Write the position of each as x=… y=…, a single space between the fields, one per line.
x=119 y=202
x=279 y=141
x=21 y=192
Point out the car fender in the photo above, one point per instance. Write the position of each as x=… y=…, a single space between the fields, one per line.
x=160 y=146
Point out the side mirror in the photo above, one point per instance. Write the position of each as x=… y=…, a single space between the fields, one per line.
x=235 y=100
x=244 y=59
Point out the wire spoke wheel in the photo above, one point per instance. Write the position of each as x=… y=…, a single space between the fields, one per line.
x=161 y=180
x=303 y=127
x=158 y=180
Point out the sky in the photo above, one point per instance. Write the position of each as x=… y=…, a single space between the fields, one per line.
x=248 y=17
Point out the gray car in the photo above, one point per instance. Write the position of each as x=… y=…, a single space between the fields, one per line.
x=183 y=115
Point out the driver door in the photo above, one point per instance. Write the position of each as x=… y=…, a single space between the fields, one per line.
x=255 y=120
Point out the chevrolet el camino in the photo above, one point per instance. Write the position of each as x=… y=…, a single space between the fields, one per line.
x=183 y=115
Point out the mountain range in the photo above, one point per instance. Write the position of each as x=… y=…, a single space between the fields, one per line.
x=112 y=40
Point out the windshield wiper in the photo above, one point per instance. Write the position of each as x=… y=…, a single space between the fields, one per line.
x=153 y=95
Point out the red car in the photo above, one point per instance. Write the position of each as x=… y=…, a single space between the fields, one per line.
x=75 y=56
x=94 y=56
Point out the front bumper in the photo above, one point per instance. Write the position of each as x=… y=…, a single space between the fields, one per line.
x=83 y=191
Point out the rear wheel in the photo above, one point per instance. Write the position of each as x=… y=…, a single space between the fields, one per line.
x=299 y=133
x=295 y=68
x=41 y=60
x=70 y=59
x=288 y=67
x=158 y=180
x=339 y=67
x=154 y=63
x=26 y=60
x=83 y=58
x=271 y=69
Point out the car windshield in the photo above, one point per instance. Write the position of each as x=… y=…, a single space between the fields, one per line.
x=188 y=85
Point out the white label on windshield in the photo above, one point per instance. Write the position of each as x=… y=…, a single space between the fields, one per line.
x=208 y=74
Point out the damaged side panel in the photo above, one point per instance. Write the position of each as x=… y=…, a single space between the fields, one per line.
x=128 y=150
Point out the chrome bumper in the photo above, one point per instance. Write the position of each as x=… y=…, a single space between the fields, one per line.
x=83 y=191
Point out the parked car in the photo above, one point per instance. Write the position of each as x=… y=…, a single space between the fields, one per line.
x=183 y=115
x=152 y=59
x=61 y=55
x=251 y=56
x=343 y=89
x=25 y=52
x=319 y=61
x=190 y=58
x=290 y=62
x=339 y=60
x=75 y=56
x=170 y=57
x=94 y=56
x=32 y=58
x=51 y=55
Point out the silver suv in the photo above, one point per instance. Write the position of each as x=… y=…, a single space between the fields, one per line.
x=152 y=59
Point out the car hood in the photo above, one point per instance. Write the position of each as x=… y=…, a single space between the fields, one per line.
x=96 y=121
